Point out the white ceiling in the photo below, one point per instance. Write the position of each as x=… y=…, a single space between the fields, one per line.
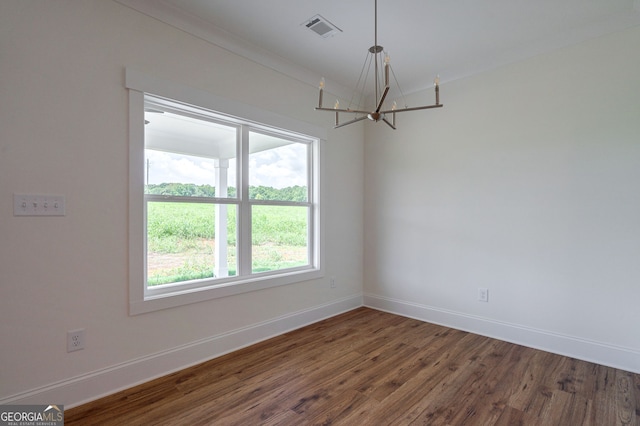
x=424 y=38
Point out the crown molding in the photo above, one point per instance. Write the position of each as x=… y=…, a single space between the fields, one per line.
x=204 y=30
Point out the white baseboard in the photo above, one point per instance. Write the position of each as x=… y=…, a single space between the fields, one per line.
x=88 y=387
x=600 y=353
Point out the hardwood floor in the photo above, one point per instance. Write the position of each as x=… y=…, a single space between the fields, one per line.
x=367 y=367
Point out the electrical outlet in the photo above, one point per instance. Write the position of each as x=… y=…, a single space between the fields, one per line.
x=483 y=294
x=75 y=340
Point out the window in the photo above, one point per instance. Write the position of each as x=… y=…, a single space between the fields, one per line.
x=219 y=205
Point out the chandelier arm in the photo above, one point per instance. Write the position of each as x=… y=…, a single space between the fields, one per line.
x=411 y=109
x=389 y=124
x=353 y=111
x=384 y=95
x=355 y=120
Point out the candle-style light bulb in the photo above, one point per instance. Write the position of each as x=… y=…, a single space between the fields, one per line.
x=436 y=81
x=387 y=65
x=394 y=106
x=336 y=105
x=320 y=92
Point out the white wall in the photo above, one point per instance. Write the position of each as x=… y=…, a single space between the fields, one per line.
x=63 y=130
x=527 y=183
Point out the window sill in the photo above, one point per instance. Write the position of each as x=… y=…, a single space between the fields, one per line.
x=164 y=300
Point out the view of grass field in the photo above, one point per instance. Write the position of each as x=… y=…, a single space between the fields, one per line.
x=181 y=240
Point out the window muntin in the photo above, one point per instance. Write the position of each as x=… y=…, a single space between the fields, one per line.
x=193 y=175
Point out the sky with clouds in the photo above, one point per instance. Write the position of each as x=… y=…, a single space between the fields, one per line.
x=279 y=168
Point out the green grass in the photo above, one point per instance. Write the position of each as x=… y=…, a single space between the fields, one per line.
x=184 y=233
x=176 y=227
x=279 y=225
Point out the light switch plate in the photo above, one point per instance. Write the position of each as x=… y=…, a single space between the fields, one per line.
x=38 y=205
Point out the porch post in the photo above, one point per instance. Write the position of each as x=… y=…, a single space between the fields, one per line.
x=221 y=268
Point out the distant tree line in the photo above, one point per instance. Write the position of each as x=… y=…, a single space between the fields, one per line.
x=290 y=193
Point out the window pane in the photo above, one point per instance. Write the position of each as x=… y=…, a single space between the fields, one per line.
x=280 y=237
x=189 y=241
x=277 y=168
x=188 y=156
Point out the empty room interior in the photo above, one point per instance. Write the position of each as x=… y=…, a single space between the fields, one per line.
x=225 y=182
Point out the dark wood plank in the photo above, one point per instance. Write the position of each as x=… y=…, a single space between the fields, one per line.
x=625 y=398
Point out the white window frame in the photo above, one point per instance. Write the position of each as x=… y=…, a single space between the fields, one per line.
x=143 y=299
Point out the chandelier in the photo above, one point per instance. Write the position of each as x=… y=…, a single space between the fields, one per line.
x=380 y=113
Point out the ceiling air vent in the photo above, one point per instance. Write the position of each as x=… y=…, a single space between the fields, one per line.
x=321 y=26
